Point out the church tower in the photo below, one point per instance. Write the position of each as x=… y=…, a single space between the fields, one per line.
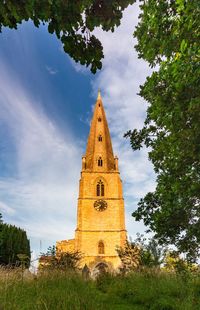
x=100 y=214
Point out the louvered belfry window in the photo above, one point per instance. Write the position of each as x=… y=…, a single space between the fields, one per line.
x=100 y=188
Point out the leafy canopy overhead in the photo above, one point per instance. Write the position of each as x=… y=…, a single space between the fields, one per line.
x=168 y=37
x=71 y=21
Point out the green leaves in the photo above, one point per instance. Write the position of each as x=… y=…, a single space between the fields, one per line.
x=130 y=257
x=180 y=5
x=168 y=35
x=13 y=241
x=54 y=259
x=183 y=46
x=71 y=21
x=163 y=26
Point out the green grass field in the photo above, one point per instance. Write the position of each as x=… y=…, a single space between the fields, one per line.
x=69 y=291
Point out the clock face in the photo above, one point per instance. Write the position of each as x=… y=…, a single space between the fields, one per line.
x=100 y=205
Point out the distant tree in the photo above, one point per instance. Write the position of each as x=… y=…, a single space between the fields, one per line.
x=152 y=253
x=1 y=235
x=51 y=251
x=141 y=253
x=174 y=263
x=69 y=260
x=168 y=36
x=71 y=21
x=129 y=256
x=13 y=241
x=59 y=260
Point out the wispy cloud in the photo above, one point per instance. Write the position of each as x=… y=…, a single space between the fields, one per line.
x=119 y=81
x=43 y=193
x=51 y=70
x=78 y=67
x=6 y=209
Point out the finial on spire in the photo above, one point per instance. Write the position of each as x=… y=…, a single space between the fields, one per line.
x=99 y=94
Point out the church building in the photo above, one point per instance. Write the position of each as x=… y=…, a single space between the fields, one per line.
x=100 y=213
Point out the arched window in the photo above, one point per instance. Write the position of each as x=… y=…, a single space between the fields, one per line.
x=100 y=162
x=101 y=247
x=99 y=119
x=100 y=188
x=100 y=138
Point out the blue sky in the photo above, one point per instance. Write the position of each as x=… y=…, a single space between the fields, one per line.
x=46 y=103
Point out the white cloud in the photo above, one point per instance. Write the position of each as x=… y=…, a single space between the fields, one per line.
x=43 y=193
x=6 y=209
x=119 y=81
x=78 y=67
x=51 y=70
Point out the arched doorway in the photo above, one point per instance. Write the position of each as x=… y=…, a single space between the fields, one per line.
x=100 y=268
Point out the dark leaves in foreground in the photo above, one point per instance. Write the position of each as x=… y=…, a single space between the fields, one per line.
x=71 y=21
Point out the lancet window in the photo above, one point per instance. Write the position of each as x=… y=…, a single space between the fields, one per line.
x=100 y=188
x=101 y=247
x=100 y=138
x=99 y=119
x=100 y=162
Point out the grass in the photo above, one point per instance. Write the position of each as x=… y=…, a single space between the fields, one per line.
x=140 y=291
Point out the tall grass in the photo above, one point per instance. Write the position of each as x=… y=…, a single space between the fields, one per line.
x=59 y=290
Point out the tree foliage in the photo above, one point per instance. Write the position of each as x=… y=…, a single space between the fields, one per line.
x=168 y=37
x=129 y=256
x=53 y=259
x=71 y=21
x=141 y=253
x=174 y=263
x=13 y=243
x=151 y=253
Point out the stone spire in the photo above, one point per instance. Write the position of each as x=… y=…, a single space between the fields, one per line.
x=99 y=153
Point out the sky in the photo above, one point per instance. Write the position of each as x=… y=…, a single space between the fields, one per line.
x=46 y=104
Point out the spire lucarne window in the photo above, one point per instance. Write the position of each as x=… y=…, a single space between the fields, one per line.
x=100 y=188
x=100 y=138
x=100 y=162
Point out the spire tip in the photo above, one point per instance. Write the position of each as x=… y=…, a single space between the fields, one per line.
x=99 y=94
